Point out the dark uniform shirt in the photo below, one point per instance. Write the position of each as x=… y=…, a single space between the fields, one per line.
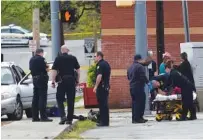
x=104 y=69
x=186 y=70
x=66 y=64
x=38 y=66
x=179 y=80
x=163 y=80
x=136 y=74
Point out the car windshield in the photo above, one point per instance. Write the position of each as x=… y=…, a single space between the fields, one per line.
x=6 y=76
x=24 y=30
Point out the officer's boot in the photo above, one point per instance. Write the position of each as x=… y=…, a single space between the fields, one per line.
x=63 y=120
x=69 y=122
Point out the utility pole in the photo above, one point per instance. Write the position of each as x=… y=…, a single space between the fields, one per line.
x=36 y=28
x=55 y=28
x=141 y=40
x=160 y=31
x=186 y=20
x=94 y=28
x=95 y=31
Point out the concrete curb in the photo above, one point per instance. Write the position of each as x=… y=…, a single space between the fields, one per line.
x=68 y=128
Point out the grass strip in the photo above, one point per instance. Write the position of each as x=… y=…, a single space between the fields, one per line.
x=79 y=127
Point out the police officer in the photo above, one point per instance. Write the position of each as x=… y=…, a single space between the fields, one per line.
x=38 y=68
x=137 y=77
x=66 y=65
x=103 y=72
x=187 y=88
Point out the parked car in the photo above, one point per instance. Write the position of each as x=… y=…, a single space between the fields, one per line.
x=13 y=35
x=17 y=92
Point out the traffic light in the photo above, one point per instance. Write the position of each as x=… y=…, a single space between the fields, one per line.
x=68 y=16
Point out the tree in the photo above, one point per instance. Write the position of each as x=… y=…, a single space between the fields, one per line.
x=20 y=13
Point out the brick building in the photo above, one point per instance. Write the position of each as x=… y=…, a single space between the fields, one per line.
x=118 y=38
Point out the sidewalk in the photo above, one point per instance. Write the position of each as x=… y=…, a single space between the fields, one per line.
x=26 y=129
x=122 y=128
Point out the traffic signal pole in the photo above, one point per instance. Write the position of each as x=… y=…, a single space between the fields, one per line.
x=141 y=40
x=55 y=28
x=61 y=29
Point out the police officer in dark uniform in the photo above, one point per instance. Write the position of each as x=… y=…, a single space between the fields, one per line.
x=38 y=68
x=178 y=80
x=66 y=65
x=103 y=72
x=137 y=77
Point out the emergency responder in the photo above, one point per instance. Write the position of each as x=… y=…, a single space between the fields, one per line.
x=66 y=65
x=178 y=80
x=103 y=72
x=186 y=69
x=137 y=77
x=38 y=68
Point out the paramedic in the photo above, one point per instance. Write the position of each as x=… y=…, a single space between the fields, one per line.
x=137 y=78
x=187 y=88
x=186 y=69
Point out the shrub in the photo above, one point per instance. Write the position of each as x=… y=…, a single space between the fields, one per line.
x=91 y=76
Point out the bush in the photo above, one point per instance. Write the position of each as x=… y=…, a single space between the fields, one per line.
x=91 y=76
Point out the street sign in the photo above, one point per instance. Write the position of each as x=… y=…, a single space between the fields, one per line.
x=89 y=48
x=32 y=45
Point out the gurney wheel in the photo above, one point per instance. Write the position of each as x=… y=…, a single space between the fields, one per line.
x=170 y=117
x=159 y=117
x=178 y=116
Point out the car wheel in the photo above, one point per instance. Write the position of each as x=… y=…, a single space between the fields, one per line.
x=18 y=112
x=28 y=112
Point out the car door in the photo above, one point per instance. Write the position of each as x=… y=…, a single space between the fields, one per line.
x=26 y=88
x=51 y=93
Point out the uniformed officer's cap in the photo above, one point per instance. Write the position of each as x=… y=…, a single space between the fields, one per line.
x=137 y=57
x=39 y=51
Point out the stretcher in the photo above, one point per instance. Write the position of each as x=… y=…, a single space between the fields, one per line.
x=168 y=106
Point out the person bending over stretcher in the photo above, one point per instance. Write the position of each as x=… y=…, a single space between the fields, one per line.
x=160 y=85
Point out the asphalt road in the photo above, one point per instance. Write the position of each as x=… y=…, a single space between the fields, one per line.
x=21 y=56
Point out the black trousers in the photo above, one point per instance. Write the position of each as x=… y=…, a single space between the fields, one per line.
x=102 y=98
x=187 y=103
x=67 y=87
x=138 y=102
x=39 y=101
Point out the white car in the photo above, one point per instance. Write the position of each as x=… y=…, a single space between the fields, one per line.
x=17 y=92
x=17 y=36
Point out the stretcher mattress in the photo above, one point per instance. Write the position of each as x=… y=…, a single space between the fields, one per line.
x=160 y=97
